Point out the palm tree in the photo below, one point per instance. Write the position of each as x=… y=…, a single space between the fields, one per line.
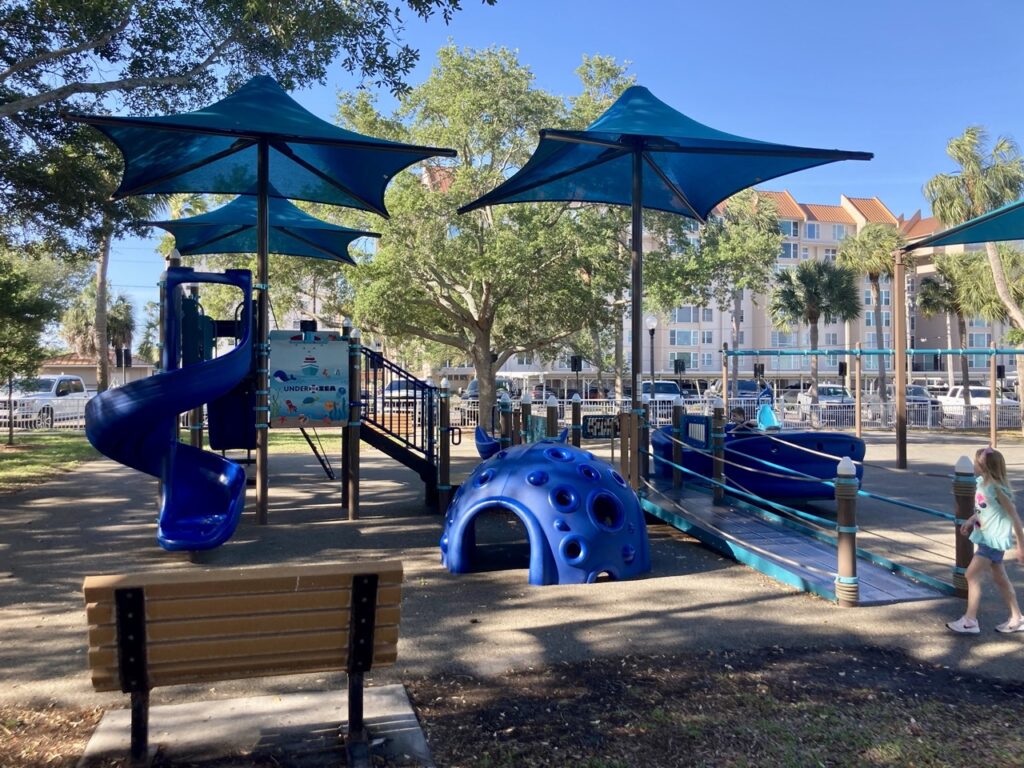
x=805 y=294
x=937 y=294
x=982 y=184
x=871 y=252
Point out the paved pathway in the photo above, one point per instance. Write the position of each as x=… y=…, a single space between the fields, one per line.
x=100 y=519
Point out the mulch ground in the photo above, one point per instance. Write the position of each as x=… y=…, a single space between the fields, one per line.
x=785 y=707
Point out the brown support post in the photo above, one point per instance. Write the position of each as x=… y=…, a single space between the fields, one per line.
x=857 y=371
x=993 y=407
x=847 y=586
x=505 y=421
x=551 y=428
x=354 y=421
x=444 y=448
x=718 y=449
x=625 y=430
x=576 y=431
x=678 y=413
x=517 y=426
x=963 y=500
x=899 y=300
x=262 y=284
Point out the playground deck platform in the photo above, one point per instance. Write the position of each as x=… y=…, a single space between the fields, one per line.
x=788 y=553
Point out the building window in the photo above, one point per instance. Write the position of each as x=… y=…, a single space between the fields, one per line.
x=683 y=315
x=977 y=322
x=680 y=338
x=830 y=254
x=739 y=338
x=707 y=314
x=790 y=251
x=706 y=360
x=782 y=339
x=707 y=337
x=867 y=297
x=976 y=340
x=789 y=228
x=886 y=319
x=884 y=297
x=812 y=231
x=839 y=232
x=524 y=359
x=805 y=252
x=832 y=339
x=832 y=360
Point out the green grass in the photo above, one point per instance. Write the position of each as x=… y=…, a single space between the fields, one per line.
x=283 y=441
x=36 y=457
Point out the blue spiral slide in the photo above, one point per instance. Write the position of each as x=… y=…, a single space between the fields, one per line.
x=203 y=494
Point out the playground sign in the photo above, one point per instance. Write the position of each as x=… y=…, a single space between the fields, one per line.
x=595 y=427
x=308 y=379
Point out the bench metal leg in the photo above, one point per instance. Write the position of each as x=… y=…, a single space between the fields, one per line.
x=140 y=728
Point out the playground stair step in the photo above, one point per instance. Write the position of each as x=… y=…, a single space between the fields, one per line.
x=775 y=549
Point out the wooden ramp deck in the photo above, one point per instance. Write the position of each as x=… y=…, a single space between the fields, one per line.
x=788 y=552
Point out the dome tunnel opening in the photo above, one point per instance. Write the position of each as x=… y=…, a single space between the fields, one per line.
x=499 y=541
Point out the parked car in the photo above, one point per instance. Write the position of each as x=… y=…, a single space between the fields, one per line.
x=663 y=390
x=835 y=405
x=923 y=409
x=403 y=394
x=44 y=401
x=978 y=412
x=472 y=392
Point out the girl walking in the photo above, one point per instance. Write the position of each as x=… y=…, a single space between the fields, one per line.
x=992 y=528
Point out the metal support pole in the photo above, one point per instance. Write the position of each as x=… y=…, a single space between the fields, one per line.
x=346 y=331
x=354 y=422
x=551 y=428
x=858 y=369
x=636 y=306
x=195 y=416
x=625 y=432
x=718 y=449
x=444 y=451
x=725 y=376
x=678 y=414
x=577 y=420
x=526 y=409
x=644 y=445
x=963 y=501
x=993 y=406
x=847 y=586
x=899 y=290
x=263 y=330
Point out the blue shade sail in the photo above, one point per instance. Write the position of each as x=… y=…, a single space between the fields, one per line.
x=214 y=150
x=232 y=229
x=1006 y=223
x=688 y=168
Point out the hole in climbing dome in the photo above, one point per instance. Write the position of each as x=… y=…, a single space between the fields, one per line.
x=496 y=540
x=558 y=454
x=564 y=499
x=601 y=576
x=589 y=472
x=606 y=510
x=618 y=478
x=573 y=550
x=501 y=454
x=537 y=478
x=485 y=477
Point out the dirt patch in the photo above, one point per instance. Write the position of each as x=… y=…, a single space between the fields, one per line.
x=792 y=707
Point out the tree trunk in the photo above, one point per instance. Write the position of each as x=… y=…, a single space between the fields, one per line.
x=595 y=340
x=481 y=354
x=100 y=329
x=965 y=370
x=620 y=358
x=1002 y=287
x=876 y=300
x=814 y=364
x=10 y=410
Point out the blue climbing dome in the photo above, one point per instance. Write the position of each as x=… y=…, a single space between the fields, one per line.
x=581 y=518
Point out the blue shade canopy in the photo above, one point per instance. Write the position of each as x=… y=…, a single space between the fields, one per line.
x=1006 y=223
x=688 y=167
x=214 y=150
x=232 y=229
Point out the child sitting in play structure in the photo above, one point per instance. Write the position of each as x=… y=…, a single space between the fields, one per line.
x=992 y=528
x=738 y=420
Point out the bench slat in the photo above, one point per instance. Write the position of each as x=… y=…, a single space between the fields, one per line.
x=159 y=610
x=237 y=582
x=241 y=646
x=239 y=669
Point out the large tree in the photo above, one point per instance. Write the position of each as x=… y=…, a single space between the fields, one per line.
x=810 y=291
x=872 y=252
x=984 y=181
x=495 y=283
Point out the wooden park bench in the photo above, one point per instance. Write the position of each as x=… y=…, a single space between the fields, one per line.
x=172 y=628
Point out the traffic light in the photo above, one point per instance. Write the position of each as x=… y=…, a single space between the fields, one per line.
x=1000 y=371
x=842 y=368
x=576 y=363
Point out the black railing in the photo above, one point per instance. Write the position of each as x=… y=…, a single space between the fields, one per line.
x=399 y=404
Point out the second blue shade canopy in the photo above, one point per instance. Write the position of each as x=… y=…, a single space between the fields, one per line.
x=1006 y=223
x=232 y=229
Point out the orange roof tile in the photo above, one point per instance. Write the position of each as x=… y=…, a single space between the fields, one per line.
x=787 y=207
x=873 y=210
x=923 y=228
x=830 y=213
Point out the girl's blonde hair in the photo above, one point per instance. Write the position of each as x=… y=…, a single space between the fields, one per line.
x=995 y=466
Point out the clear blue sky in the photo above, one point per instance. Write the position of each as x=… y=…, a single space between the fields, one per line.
x=898 y=79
